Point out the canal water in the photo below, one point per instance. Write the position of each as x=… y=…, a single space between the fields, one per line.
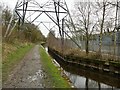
x=85 y=82
x=83 y=78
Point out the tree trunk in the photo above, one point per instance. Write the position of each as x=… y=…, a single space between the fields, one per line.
x=115 y=28
x=101 y=29
x=99 y=86
x=86 y=83
x=114 y=43
x=87 y=45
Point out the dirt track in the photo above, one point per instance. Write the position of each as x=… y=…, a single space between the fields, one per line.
x=28 y=73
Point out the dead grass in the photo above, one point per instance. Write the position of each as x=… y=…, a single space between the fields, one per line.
x=91 y=55
x=8 y=48
x=11 y=55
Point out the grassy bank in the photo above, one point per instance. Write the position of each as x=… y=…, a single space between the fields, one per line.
x=56 y=80
x=13 y=58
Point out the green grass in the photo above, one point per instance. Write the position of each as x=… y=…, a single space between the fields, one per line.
x=57 y=81
x=13 y=59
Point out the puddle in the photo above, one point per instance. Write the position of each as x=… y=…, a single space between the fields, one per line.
x=38 y=75
x=46 y=49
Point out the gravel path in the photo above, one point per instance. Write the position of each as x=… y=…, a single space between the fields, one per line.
x=28 y=73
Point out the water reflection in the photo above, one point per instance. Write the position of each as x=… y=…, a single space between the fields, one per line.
x=84 y=82
x=83 y=78
x=46 y=49
x=86 y=78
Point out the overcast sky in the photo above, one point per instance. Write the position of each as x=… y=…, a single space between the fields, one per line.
x=70 y=4
x=12 y=3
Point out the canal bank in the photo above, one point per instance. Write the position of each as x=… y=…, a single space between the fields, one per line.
x=111 y=67
x=84 y=77
x=54 y=78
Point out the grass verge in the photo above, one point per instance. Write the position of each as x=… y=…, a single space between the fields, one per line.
x=13 y=59
x=57 y=81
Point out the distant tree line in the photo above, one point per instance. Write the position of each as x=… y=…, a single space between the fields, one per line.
x=27 y=32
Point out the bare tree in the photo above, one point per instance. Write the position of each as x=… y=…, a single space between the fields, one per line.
x=104 y=18
x=115 y=27
x=108 y=21
x=85 y=21
x=6 y=15
x=101 y=26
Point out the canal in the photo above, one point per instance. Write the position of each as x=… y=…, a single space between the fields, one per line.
x=86 y=78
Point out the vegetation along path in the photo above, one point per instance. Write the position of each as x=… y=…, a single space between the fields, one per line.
x=36 y=70
x=28 y=73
